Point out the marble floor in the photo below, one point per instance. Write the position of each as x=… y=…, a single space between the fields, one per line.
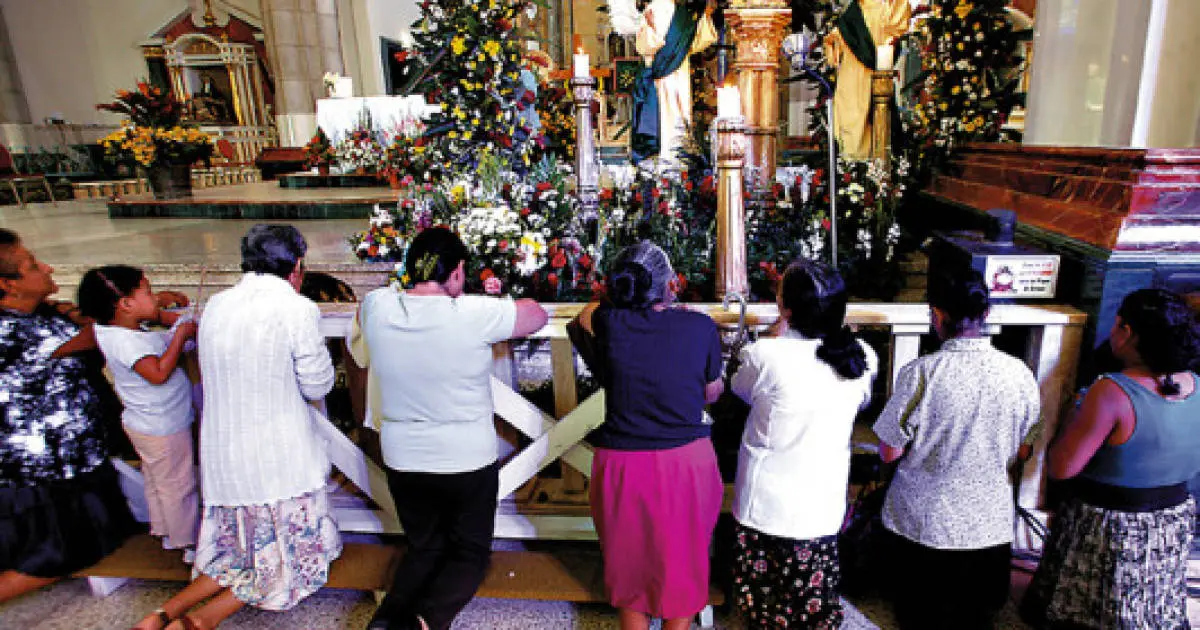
x=80 y=232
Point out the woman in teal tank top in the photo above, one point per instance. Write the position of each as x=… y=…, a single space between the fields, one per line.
x=1117 y=552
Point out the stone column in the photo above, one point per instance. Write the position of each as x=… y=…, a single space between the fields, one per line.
x=14 y=110
x=757 y=28
x=304 y=43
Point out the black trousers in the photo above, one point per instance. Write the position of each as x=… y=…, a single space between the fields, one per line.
x=933 y=589
x=449 y=520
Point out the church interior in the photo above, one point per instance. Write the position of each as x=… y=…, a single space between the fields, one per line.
x=1051 y=145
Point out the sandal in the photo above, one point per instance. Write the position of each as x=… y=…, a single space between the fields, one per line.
x=163 y=617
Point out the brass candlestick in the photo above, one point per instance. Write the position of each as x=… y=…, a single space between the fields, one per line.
x=587 y=168
x=731 y=209
x=883 y=87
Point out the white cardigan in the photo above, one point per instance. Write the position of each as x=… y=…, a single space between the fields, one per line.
x=794 y=462
x=263 y=358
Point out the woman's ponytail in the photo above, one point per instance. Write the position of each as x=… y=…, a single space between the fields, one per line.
x=842 y=351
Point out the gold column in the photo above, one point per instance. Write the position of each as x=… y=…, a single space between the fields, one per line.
x=731 y=210
x=883 y=87
x=758 y=27
x=235 y=87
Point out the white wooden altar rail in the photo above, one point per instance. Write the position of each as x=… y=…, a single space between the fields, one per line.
x=1052 y=353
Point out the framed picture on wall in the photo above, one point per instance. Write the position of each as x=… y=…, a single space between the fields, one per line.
x=625 y=72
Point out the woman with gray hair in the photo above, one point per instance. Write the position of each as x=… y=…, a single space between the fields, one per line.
x=656 y=491
x=267 y=533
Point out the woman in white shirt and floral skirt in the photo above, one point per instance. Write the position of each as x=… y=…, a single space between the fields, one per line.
x=267 y=532
x=805 y=387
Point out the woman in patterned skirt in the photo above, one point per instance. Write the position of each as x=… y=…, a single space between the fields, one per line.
x=805 y=385
x=61 y=508
x=1119 y=543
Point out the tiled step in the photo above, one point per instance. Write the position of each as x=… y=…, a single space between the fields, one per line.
x=571 y=573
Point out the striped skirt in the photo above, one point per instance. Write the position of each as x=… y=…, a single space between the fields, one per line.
x=1109 y=569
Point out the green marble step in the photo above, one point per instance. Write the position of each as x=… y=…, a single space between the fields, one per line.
x=262 y=211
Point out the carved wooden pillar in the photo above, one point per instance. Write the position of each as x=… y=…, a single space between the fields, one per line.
x=883 y=87
x=758 y=28
x=731 y=209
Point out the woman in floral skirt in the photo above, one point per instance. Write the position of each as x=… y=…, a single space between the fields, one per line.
x=805 y=385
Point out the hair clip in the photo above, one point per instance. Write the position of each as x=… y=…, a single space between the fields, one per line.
x=112 y=287
x=426 y=265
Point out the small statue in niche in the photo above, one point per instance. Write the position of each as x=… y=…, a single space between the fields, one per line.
x=210 y=104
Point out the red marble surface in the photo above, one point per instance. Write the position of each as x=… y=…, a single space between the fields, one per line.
x=1094 y=195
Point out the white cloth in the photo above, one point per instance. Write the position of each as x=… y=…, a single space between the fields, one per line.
x=154 y=410
x=263 y=358
x=339 y=116
x=962 y=412
x=675 y=89
x=432 y=358
x=794 y=462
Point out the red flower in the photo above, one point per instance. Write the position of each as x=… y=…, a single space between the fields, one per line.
x=818 y=175
x=543 y=186
x=681 y=283
x=524 y=212
x=585 y=261
x=606 y=194
x=552 y=278
x=401 y=56
x=655 y=193
x=559 y=260
x=597 y=289
x=504 y=245
x=825 y=224
x=688 y=185
x=777 y=189
x=847 y=178
x=664 y=208
x=485 y=274
x=637 y=197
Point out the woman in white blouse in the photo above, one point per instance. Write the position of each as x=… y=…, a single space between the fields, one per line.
x=805 y=387
x=267 y=533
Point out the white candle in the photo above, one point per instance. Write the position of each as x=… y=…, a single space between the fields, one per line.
x=583 y=65
x=885 y=57
x=729 y=102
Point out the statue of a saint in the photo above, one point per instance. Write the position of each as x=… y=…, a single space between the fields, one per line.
x=851 y=47
x=662 y=96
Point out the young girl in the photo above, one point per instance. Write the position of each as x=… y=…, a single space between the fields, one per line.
x=156 y=393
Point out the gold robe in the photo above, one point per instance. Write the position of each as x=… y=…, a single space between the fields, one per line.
x=886 y=19
x=675 y=89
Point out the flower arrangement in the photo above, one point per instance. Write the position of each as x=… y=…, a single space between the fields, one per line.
x=470 y=52
x=319 y=151
x=558 y=121
x=153 y=134
x=967 y=88
x=361 y=152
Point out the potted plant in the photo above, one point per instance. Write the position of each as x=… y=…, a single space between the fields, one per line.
x=319 y=152
x=155 y=140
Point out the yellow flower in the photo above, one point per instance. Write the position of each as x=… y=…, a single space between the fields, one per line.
x=492 y=47
x=458 y=45
x=962 y=9
x=955 y=90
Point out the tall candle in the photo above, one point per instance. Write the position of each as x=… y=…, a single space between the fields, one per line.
x=729 y=102
x=885 y=57
x=583 y=65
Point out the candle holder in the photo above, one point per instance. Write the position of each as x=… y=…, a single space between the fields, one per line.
x=587 y=169
x=731 y=208
x=883 y=89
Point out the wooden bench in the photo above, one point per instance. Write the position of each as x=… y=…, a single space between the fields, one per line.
x=571 y=573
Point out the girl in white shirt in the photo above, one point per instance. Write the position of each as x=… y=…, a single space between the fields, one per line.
x=805 y=387
x=156 y=393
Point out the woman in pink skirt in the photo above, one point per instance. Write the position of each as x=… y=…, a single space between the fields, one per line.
x=656 y=490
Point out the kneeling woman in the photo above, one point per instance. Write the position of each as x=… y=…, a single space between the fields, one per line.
x=1118 y=549
x=805 y=387
x=656 y=490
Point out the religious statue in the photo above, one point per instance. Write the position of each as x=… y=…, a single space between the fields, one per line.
x=210 y=104
x=662 y=96
x=851 y=48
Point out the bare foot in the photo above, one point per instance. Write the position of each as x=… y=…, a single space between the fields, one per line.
x=156 y=620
